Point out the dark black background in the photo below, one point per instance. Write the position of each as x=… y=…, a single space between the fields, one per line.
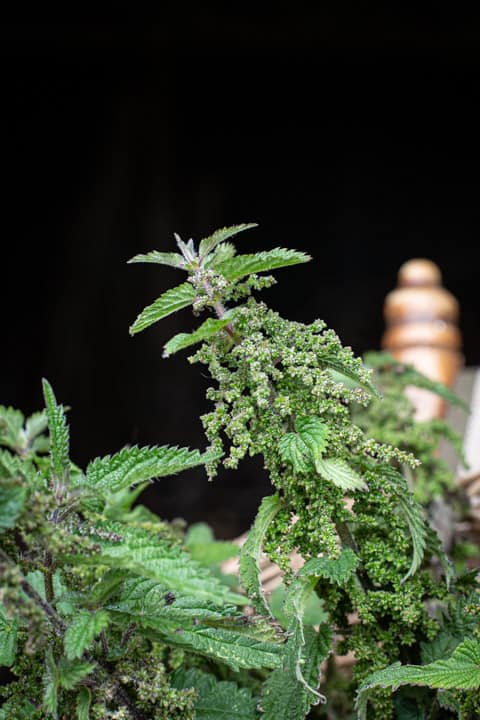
x=348 y=133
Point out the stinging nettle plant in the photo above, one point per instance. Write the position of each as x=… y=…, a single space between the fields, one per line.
x=101 y=603
x=290 y=393
x=108 y=612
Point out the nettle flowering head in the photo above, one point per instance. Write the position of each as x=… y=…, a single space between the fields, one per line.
x=216 y=275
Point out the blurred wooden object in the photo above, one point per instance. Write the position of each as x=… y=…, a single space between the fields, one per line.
x=421 y=318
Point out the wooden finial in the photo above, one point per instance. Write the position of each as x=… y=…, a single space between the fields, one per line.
x=419 y=272
x=421 y=329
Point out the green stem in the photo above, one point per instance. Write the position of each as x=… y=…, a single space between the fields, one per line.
x=219 y=308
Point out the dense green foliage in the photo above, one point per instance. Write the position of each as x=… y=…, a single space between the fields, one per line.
x=343 y=459
x=108 y=612
x=102 y=604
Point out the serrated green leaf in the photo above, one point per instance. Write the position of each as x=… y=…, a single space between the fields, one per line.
x=207 y=244
x=304 y=448
x=314 y=434
x=160 y=258
x=146 y=555
x=36 y=579
x=217 y=699
x=80 y=635
x=50 y=698
x=13 y=468
x=174 y=299
x=8 y=639
x=65 y=599
x=340 y=474
x=206 y=330
x=235 y=649
x=342 y=379
x=137 y=465
x=200 y=625
x=241 y=265
x=461 y=671
x=252 y=549
x=222 y=252
x=50 y=685
x=338 y=570
x=293 y=450
x=449 y=700
x=84 y=699
x=11 y=425
x=59 y=434
x=412 y=512
x=12 y=498
x=71 y=672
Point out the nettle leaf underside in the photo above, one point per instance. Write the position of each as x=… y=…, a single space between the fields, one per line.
x=340 y=474
x=160 y=258
x=252 y=549
x=412 y=513
x=210 y=629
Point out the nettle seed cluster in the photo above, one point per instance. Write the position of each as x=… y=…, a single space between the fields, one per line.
x=290 y=392
x=276 y=373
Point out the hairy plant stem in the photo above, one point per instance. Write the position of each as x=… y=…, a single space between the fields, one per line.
x=219 y=308
x=49 y=570
x=128 y=633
